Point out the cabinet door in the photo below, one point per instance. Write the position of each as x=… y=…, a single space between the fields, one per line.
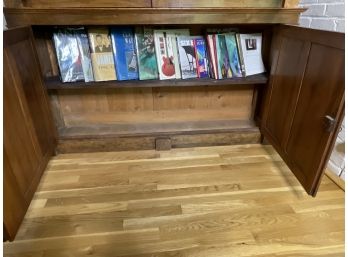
x=76 y=3
x=29 y=132
x=303 y=106
x=216 y=3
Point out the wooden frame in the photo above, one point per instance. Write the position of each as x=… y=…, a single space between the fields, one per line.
x=129 y=16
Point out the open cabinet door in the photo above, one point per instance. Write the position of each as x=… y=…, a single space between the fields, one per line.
x=29 y=131
x=304 y=101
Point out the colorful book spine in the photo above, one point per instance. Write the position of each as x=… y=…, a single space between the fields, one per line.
x=218 y=75
x=240 y=54
x=211 y=52
x=165 y=62
x=101 y=54
x=233 y=54
x=68 y=56
x=187 y=57
x=124 y=53
x=83 y=44
x=201 y=58
x=146 y=53
x=224 y=67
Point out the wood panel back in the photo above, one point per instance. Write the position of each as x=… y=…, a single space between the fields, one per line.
x=76 y=3
x=155 y=105
x=216 y=3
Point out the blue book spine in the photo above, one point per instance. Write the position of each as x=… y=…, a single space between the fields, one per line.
x=201 y=58
x=124 y=53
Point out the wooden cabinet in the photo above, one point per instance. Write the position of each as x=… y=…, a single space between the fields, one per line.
x=217 y=3
x=29 y=132
x=76 y=3
x=298 y=107
x=305 y=99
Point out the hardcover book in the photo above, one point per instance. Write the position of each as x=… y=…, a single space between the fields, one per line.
x=212 y=63
x=166 y=52
x=224 y=68
x=187 y=57
x=233 y=54
x=68 y=56
x=124 y=53
x=146 y=54
x=201 y=58
x=83 y=44
x=240 y=54
x=172 y=45
x=101 y=54
x=251 y=53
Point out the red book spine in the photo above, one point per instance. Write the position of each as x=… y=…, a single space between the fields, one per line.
x=212 y=56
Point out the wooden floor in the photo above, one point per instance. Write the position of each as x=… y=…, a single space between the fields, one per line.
x=202 y=202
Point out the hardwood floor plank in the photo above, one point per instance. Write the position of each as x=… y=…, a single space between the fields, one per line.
x=238 y=201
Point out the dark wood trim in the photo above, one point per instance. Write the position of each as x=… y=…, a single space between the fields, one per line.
x=119 y=16
x=157 y=129
x=100 y=144
x=55 y=83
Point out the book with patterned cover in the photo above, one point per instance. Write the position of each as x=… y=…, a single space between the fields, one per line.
x=146 y=53
x=68 y=56
x=201 y=58
x=101 y=54
x=124 y=53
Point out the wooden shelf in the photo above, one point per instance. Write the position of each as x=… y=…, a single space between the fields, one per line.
x=258 y=79
x=157 y=129
x=141 y=16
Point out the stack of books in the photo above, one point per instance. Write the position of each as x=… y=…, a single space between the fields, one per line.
x=144 y=53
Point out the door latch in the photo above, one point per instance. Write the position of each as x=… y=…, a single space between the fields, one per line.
x=330 y=123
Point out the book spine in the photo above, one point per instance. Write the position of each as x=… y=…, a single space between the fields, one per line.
x=138 y=36
x=240 y=53
x=211 y=56
x=82 y=40
x=201 y=58
x=217 y=55
x=176 y=57
x=196 y=55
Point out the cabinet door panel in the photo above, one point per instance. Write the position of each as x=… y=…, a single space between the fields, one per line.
x=290 y=62
x=321 y=94
x=29 y=132
x=76 y=3
x=216 y=3
x=304 y=100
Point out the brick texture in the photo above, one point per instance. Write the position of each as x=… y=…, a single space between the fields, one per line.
x=323 y=14
x=328 y=15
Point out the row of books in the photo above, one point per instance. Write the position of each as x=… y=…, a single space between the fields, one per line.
x=125 y=53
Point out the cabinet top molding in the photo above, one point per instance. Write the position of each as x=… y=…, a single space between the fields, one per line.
x=132 y=16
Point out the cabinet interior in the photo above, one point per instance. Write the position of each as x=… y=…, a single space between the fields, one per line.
x=154 y=109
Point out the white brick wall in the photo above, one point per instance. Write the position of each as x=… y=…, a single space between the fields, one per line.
x=328 y=15
x=323 y=14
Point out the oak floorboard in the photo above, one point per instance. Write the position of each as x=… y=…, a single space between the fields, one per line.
x=224 y=201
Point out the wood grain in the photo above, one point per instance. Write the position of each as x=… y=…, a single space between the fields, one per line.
x=128 y=16
x=74 y=4
x=296 y=125
x=216 y=3
x=212 y=201
x=29 y=133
